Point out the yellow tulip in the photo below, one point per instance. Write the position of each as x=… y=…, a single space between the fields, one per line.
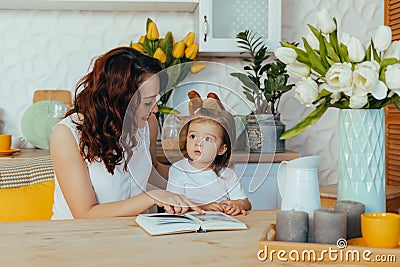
x=141 y=39
x=152 y=31
x=197 y=67
x=191 y=51
x=178 y=50
x=189 y=39
x=160 y=55
x=137 y=47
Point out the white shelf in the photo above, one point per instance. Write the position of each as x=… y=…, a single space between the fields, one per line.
x=102 y=5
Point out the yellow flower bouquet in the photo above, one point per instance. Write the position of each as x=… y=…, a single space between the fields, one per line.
x=169 y=53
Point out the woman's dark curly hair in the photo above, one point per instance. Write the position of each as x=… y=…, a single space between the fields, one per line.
x=102 y=97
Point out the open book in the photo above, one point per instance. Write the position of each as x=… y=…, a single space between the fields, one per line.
x=163 y=223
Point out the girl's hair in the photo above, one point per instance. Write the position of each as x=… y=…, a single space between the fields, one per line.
x=225 y=120
x=102 y=96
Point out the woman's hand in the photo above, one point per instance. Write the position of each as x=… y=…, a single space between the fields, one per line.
x=173 y=203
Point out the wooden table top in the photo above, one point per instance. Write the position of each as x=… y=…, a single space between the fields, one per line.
x=118 y=242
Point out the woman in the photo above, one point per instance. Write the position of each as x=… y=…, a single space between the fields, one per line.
x=101 y=150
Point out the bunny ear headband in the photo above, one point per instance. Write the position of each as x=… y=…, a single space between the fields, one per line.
x=211 y=102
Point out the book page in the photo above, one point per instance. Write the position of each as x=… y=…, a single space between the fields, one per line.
x=214 y=220
x=163 y=223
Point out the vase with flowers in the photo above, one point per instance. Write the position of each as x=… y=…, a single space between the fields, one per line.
x=360 y=82
x=263 y=84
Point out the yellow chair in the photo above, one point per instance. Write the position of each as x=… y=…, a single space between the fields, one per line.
x=26 y=190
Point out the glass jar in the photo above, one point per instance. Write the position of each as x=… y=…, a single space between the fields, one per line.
x=170 y=132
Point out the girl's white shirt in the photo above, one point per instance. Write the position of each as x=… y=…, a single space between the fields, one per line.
x=204 y=186
x=107 y=187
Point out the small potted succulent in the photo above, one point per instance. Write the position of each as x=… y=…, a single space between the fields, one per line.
x=263 y=84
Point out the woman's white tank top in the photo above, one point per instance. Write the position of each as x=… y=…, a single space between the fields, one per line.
x=109 y=188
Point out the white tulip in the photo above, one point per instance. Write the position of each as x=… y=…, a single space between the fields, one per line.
x=325 y=22
x=339 y=78
x=380 y=90
x=365 y=78
x=286 y=55
x=345 y=38
x=382 y=38
x=312 y=41
x=298 y=70
x=357 y=101
x=392 y=74
x=356 y=50
x=393 y=51
x=306 y=91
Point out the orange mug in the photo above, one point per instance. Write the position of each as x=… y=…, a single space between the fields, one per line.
x=5 y=142
x=380 y=229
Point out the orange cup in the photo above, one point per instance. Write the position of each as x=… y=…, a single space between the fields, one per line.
x=5 y=142
x=380 y=229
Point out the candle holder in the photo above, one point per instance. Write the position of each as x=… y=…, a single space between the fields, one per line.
x=353 y=210
x=291 y=226
x=329 y=225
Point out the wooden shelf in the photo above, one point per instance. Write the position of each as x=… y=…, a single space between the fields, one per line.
x=102 y=5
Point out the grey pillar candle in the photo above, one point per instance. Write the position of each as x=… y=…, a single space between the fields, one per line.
x=291 y=226
x=329 y=226
x=353 y=210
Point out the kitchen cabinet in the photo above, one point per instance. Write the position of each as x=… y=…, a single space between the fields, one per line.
x=219 y=21
x=103 y=5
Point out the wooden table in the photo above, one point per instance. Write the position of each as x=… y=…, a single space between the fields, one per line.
x=118 y=242
x=328 y=195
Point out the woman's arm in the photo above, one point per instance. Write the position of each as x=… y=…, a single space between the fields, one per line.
x=159 y=167
x=75 y=184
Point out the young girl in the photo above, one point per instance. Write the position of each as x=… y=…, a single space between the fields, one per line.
x=204 y=176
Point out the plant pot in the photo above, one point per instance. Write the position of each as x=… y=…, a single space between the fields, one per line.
x=264 y=131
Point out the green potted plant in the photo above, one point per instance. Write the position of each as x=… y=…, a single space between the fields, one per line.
x=263 y=84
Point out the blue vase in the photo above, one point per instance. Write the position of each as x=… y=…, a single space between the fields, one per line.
x=362 y=157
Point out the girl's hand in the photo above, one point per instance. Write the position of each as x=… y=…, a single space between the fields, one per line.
x=173 y=203
x=214 y=206
x=233 y=207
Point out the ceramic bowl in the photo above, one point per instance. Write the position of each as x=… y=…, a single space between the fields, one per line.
x=380 y=229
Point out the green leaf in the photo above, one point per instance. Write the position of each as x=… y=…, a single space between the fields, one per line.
x=167 y=46
x=246 y=81
x=344 y=53
x=167 y=110
x=368 y=55
x=315 y=31
x=323 y=51
x=334 y=40
x=314 y=59
x=307 y=121
x=331 y=52
x=249 y=96
x=375 y=53
x=388 y=61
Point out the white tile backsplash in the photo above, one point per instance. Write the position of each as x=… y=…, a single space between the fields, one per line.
x=53 y=49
